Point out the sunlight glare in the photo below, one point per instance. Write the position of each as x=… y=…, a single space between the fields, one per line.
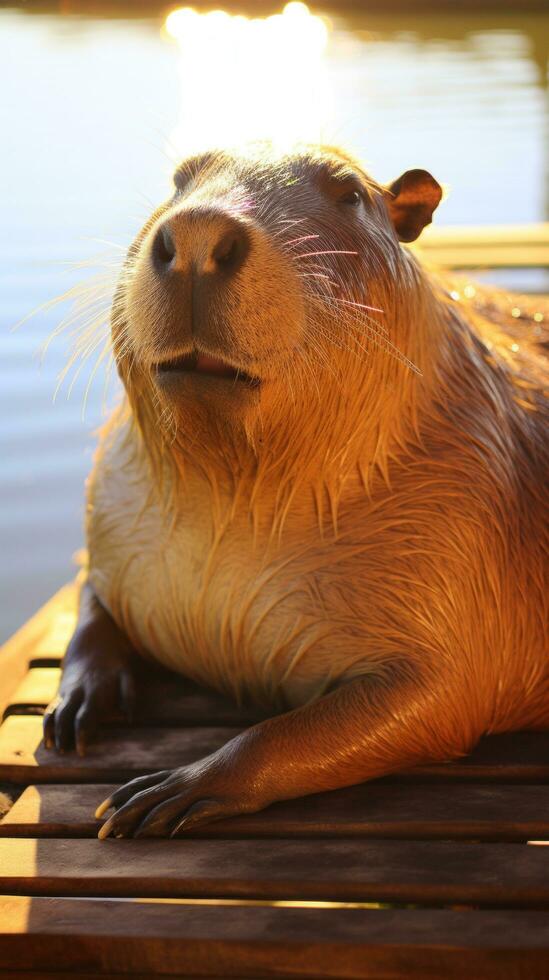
x=248 y=78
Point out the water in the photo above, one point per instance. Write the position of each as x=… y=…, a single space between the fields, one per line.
x=90 y=112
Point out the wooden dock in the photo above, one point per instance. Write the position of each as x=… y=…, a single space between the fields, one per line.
x=488 y=247
x=424 y=875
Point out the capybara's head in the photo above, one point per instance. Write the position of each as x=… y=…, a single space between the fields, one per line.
x=264 y=280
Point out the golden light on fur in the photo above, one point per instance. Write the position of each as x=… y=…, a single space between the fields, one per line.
x=326 y=489
x=355 y=515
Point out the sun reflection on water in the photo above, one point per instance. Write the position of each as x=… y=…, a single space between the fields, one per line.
x=247 y=78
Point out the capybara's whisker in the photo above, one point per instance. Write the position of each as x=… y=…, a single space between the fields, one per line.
x=296 y=241
x=332 y=251
x=362 y=306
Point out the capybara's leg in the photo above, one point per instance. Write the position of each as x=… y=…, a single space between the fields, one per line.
x=364 y=729
x=97 y=678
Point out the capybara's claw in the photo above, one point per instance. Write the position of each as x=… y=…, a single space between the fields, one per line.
x=170 y=803
x=103 y=807
x=130 y=789
x=169 y=818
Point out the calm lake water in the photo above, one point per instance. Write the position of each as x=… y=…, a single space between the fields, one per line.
x=92 y=113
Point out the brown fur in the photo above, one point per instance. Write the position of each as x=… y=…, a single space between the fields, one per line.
x=390 y=471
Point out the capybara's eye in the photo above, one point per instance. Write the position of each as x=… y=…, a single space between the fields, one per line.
x=350 y=197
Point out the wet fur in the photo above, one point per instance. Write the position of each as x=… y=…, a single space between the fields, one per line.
x=356 y=518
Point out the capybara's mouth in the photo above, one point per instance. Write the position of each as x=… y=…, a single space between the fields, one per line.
x=197 y=363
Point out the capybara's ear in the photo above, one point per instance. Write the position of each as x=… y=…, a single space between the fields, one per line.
x=411 y=201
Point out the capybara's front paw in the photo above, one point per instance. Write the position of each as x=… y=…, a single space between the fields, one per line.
x=96 y=683
x=175 y=801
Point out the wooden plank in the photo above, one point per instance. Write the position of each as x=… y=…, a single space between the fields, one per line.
x=122 y=753
x=381 y=810
x=513 y=757
x=491 y=246
x=36 y=690
x=46 y=633
x=168 y=700
x=425 y=872
x=119 y=755
x=239 y=941
x=165 y=699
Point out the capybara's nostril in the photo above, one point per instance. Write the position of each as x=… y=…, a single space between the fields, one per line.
x=230 y=252
x=163 y=249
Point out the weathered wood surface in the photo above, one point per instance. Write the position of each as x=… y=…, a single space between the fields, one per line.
x=382 y=810
x=120 y=754
x=47 y=633
x=213 y=941
x=438 y=835
x=125 y=752
x=37 y=688
x=376 y=871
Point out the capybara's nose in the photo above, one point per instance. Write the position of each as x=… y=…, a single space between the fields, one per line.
x=230 y=251
x=209 y=244
x=163 y=249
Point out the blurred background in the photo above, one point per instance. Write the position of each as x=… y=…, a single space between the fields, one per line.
x=98 y=102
